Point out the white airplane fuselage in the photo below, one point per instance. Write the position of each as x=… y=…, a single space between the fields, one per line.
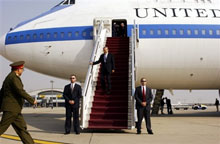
x=179 y=45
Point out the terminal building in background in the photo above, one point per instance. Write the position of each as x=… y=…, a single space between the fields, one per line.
x=48 y=98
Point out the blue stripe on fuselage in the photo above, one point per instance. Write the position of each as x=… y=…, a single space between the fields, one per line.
x=85 y=33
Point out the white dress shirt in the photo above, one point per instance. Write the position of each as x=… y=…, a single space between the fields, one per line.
x=105 y=57
x=72 y=85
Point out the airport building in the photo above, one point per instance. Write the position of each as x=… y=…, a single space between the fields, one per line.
x=48 y=97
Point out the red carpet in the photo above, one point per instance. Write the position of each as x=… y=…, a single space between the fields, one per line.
x=111 y=111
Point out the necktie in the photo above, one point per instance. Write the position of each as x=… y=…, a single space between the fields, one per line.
x=144 y=96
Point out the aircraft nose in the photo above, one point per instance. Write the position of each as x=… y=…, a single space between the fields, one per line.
x=2 y=45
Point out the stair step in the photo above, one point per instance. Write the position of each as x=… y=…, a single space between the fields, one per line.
x=110 y=109
x=109 y=116
x=118 y=45
x=111 y=99
x=110 y=104
x=107 y=127
x=107 y=123
x=113 y=91
x=117 y=41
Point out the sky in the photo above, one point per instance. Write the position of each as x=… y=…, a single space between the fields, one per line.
x=13 y=12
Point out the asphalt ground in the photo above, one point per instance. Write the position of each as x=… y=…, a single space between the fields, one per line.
x=46 y=126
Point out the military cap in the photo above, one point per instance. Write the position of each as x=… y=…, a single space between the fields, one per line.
x=17 y=65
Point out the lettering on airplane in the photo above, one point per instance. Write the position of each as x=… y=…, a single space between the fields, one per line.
x=177 y=12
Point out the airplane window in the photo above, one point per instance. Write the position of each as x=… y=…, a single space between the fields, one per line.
x=72 y=1
x=218 y=32
x=76 y=34
x=48 y=35
x=203 y=32
x=55 y=35
x=28 y=37
x=144 y=32
x=196 y=32
x=69 y=34
x=15 y=37
x=166 y=32
x=84 y=34
x=210 y=32
x=62 y=34
x=189 y=32
x=159 y=32
x=174 y=32
x=41 y=35
x=151 y=32
x=181 y=32
x=9 y=38
x=21 y=37
x=66 y=2
x=35 y=36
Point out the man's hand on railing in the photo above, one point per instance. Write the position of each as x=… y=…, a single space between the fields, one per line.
x=113 y=71
x=91 y=63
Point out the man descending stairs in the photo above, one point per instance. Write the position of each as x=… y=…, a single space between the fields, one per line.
x=110 y=110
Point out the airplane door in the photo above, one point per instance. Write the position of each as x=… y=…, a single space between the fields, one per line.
x=119 y=28
x=107 y=25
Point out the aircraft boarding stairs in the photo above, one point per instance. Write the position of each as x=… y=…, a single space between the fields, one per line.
x=115 y=110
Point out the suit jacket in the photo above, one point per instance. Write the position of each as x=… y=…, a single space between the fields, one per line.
x=139 y=97
x=75 y=95
x=13 y=94
x=109 y=65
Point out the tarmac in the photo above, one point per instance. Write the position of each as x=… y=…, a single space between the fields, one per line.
x=46 y=126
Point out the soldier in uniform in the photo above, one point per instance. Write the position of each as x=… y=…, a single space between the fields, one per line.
x=12 y=99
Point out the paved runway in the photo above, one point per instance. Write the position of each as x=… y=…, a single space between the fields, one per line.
x=183 y=127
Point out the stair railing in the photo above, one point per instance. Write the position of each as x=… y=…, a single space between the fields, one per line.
x=91 y=77
x=134 y=43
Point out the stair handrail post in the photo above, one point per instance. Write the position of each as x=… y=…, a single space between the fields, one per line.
x=100 y=39
x=135 y=40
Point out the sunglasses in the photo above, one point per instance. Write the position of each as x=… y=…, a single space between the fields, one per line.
x=72 y=78
x=143 y=81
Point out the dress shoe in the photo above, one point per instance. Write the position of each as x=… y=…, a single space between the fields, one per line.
x=77 y=133
x=66 y=133
x=150 y=132
x=138 y=132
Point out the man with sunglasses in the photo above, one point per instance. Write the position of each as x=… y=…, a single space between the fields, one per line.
x=72 y=94
x=12 y=96
x=143 y=96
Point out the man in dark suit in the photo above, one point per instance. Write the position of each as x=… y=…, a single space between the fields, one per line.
x=72 y=94
x=12 y=99
x=108 y=66
x=143 y=96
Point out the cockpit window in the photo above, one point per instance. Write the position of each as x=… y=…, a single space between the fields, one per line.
x=72 y=1
x=67 y=2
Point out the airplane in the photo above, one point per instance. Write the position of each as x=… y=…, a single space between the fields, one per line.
x=177 y=43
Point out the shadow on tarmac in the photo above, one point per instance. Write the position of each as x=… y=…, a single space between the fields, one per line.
x=54 y=123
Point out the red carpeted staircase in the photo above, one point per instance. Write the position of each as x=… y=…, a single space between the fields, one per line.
x=111 y=111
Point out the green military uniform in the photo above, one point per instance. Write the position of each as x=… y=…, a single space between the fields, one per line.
x=12 y=97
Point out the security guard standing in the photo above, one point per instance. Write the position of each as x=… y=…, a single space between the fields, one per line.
x=11 y=101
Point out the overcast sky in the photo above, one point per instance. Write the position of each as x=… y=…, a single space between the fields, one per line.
x=13 y=12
